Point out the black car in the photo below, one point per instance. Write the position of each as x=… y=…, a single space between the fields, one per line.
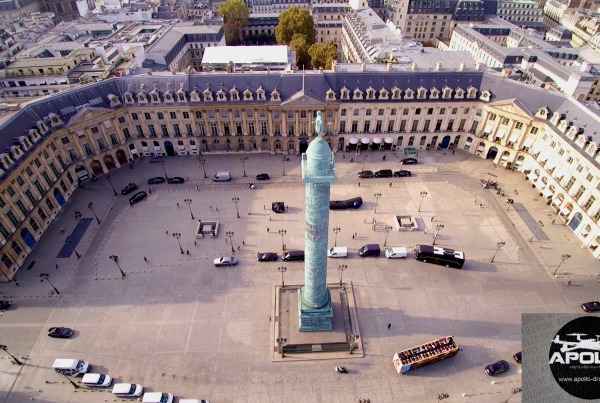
x=384 y=173
x=156 y=180
x=60 y=332
x=4 y=305
x=136 y=198
x=497 y=368
x=402 y=173
x=266 y=256
x=366 y=174
x=592 y=306
x=355 y=202
x=293 y=255
x=518 y=356
x=262 y=177
x=129 y=188
x=278 y=207
x=409 y=161
x=176 y=179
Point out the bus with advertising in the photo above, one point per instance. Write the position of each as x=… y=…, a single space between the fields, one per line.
x=438 y=255
x=436 y=350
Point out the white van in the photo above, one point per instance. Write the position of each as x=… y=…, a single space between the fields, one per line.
x=127 y=389
x=338 y=251
x=96 y=380
x=396 y=252
x=193 y=401
x=157 y=397
x=224 y=176
x=70 y=366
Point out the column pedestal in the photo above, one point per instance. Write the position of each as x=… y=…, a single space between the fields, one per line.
x=315 y=319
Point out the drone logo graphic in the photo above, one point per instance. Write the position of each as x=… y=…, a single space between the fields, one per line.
x=585 y=344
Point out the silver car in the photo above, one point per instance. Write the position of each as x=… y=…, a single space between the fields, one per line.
x=225 y=261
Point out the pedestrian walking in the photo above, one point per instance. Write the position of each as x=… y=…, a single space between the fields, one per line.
x=167 y=232
x=150 y=190
x=426 y=231
x=145 y=259
x=195 y=243
x=62 y=230
x=56 y=266
x=243 y=242
x=352 y=236
x=356 y=235
x=358 y=184
x=177 y=204
x=431 y=218
x=389 y=326
x=188 y=253
x=264 y=207
x=217 y=208
x=453 y=152
x=390 y=184
x=210 y=208
x=17 y=283
x=268 y=229
x=238 y=247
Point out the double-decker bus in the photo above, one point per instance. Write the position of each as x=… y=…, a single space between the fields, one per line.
x=436 y=350
x=438 y=255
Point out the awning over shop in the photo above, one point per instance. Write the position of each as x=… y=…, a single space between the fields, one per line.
x=547 y=193
x=480 y=148
x=377 y=140
x=504 y=157
x=500 y=133
x=488 y=128
x=565 y=211
x=544 y=155
x=528 y=143
x=468 y=143
x=513 y=137
x=552 y=164
x=365 y=140
x=389 y=140
x=532 y=176
x=539 y=184
x=353 y=140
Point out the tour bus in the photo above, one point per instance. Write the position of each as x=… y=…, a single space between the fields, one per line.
x=438 y=255
x=436 y=350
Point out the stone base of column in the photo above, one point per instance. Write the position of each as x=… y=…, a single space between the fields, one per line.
x=315 y=320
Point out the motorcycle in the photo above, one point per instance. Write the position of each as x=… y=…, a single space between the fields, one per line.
x=251 y=185
x=341 y=370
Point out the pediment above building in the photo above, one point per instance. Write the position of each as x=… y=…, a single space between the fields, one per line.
x=302 y=100
x=88 y=114
x=514 y=107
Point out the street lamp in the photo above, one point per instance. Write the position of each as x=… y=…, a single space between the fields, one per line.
x=282 y=232
x=564 y=257
x=498 y=246
x=387 y=229
x=423 y=194
x=68 y=242
x=236 y=200
x=108 y=177
x=508 y=203
x=177 y=236
x=162 y=164
x=5 y=348
x=336 y=230
x=115 y=259
x=494 y=166
x=230 y=234
x=281 y=341
x=438 y=228
x=189 y=203
x=244 y=159
x=46 y=276
x=540 y=226
x=376 y=196
x=364 y=158
x=341 y=268
x=513 y=392
x=283 y=159
x=282 y=269
x=91 y=207
x=203 y=161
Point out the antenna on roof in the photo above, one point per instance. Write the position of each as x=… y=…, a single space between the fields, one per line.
x=302 y=77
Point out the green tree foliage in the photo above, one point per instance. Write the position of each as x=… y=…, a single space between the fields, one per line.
x=322 y=54
x=235 y=16
x=300 y=46
x=294 y=21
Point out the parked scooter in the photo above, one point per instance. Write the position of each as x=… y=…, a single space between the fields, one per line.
x=251 y=185
x=341 y=370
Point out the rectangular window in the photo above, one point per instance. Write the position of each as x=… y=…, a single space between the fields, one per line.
x=93 y=129
x=160 y=116
x=368 y=112
x=65 y=140
x=101 y=144
x=21 y=207
x=186 y=115
x=405 y=111
x=139 y=131
x=29 y=172
x=126 y=134
x=519 y=125
x=30 y=196
x=356 y=112
x=570 y=183
x=249 y=113
x=213 y=129
x=342 y=127
x=224 y=113
x=263 y=128
x=38 y=186
x=3 y=231
x=390 y=127
x=415 y=125
x=188 y=129
x=393 y=112
x=579 y=192
x=54 y=170
x=426 y=126
x=147 y=116
x=134 y=116
x=403 y=126
x=198 y=114
x=302 y=114
x=88 y=150
x=343 y=112
x=430 y=111
x=12 y=218
x=176 y=130
x=163 y=130
x=454 y=111
x=121 y=119
x=172 y=115
x=588 y=204
x=251 y=129
x=20 y=181
x=152 y=130
x=418 y=111
x=505 y=121
x=10 y=191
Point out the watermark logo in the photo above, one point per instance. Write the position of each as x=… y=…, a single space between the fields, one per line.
x=574 y=357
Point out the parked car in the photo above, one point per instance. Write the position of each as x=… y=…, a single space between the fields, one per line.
x=337 y=251
x=4 y=305
x=517 y=356
x=371 y=249
x=278 y=207
x=60 y=332
x=176 y=180
x=366 y=174
x=138 y=197
x=355 y=202
x=129 y=188
x=409 y=161
x=484 y=184
x=293 y=255
x=402 y=173
x=592 y=306
x=262 y=177
x=396 y=252
x=156 y=180
x=384 y=173
x=266 y=256
x=96 y=380
x=225 y=261
x=127 y=389
x=157 y=397
x=497 y=368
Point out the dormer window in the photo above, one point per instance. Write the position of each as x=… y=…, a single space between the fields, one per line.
x=472 y=94
x=142 y=98
x=434 y=94
x=275 y=96
x=154 y=97
x=357 y=94
x=114 y=101
x=370 y=93
x=396 y=93
x=221 y=96
x=181 y=96
x=168 y=96
x=383 y=94
x=128 y=98
x=345 y=94
x=421 y=93
x=330 y=95
x=248 y=95
x=208 y=96
x=234 y=94
x=194 y=96
x=446 y=92
x=260 y=94
x=409 y=94
x=460 y=93
x=542 y=113
x=55 y=120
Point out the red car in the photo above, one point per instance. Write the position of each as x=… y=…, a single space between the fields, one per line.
x=592 y=306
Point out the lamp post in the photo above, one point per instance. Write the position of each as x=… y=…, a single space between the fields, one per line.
x=283 y=159
x=203 y=162
x=364 y=158
x=341 y=268
x=282 y=232
x=508 y=203
x=498 y=246
x=108 y=177
x=189 y=203
x=236 y=200
x=162 y=164
x=494 y=166
x=177 y=236
x=423 y=194
x=115 y=259
x=5 y=348
x=68 y=242
x=91 y=207
x=230 y=234
x=352 y=338
x=438 y=228
x=376 y=196
x=280 y=342
x=563 y=257
x=336 y=230
x=442 y=396
x=513 y=392
x=282 y=269
x=46 y=276
x=540 y=226
x=243 y=160
x=387 y=229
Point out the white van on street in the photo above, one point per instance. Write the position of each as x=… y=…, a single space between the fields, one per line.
x=396 y=252
x=337 y=251
x=96 y=380
x=224 y=176
x=157 y=397
x=127 y=389
x=70 y=366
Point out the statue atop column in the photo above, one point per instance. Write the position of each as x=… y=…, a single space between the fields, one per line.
x=319 y=124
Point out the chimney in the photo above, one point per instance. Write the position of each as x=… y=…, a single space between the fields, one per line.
x=462 y=66
x=321 y=69
x=363 y=67
x=478 y=66
x=413 y=66
x=334 y=65
x=389 y=67
x=438 y=66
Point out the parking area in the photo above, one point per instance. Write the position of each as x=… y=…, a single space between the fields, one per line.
x=176 y=323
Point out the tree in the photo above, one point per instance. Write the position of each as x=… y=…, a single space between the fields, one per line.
x=322 y=54
x=235 y=16
x=299 y=45
x=293 y=21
